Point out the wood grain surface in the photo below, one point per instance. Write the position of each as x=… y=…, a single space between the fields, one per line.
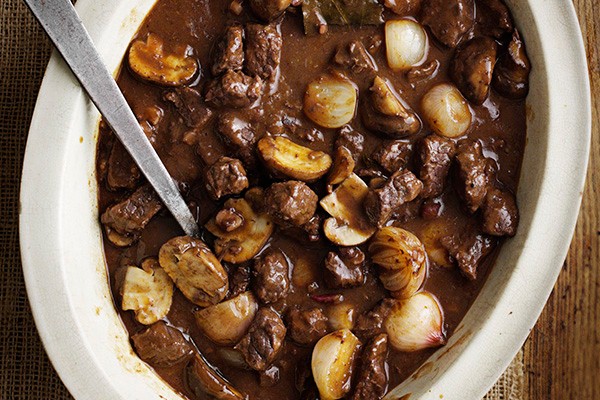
x=562 y=355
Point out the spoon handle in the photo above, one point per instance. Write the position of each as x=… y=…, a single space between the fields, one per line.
x=62 y=24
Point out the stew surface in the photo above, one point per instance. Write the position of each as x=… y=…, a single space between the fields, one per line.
x=354 y=166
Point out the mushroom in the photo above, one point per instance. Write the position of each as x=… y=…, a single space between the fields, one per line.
x=343 y=166
x=194 y=269
x=384 y=112
x=225 y=323
x=244 y=242
x=330 y=101
x=148 y=291
x=204 y=380
x=349 y=225
x=150 y=62
x=332 y=363
x=285 y=157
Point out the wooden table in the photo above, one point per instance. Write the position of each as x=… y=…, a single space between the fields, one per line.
x=561 y=358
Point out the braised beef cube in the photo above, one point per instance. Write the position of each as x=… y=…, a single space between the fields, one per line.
x=230 y=51
x=132 y=214
x=264 y=339
x=345 y=269
x=233 y=89
x=423 y=72
x=290 y=203
x=271 y=276
x=370 y=324
x=355 y=57
x=307 y=326
x=263 y=50
x=239 y=282
x=511 y=75
x=393 y=155
x=449 y=20
x=226 y=177
x=313 y=228
x=269 y=10
x=435 y=155
x=475 y=173
x=236 y=132
x=493 y=18
x=380 y=203
x=161 y=345
x=352 y=140
x=372 y=379
x=500 y=213
x=468 y=250
x=472 y=68
x=123 y=172
x=190 y=106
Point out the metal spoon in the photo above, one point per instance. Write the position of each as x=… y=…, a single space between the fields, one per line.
x=62 y=24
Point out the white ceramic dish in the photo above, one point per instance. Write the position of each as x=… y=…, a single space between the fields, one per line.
x=61 y=244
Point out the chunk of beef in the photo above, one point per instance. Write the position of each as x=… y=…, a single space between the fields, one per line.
x=345 y=268
x=370 y=324
x=161 y=345
x=204 y=380
x=475 y=172
x=233 y=89
x=382 y=111
x=239 y=282
x=393 y=155
x=271 y=276
x=355 y=57
x=239 y=136
x=230 y=51
x=500 y=213
x=290 y=203
x=307 y=326
x=352 y=140
x=264 y=339
x=493 y=18
x=468 y=251
x=130 y=216
x=123 y=172
x=190 y=106
x=511 y=75
x=381 y=202
x=373 y=378
x=449 y=20
x=435 y=155
x=313 y=228
x=472 y=68
x=423 y=72
x=269 y=10
x=263 y=50
x=226 y=177
x=403 y=7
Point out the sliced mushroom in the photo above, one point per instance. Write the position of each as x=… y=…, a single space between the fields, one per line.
x=285 y=157
x=195 y=270
x=472 y=67
x=204 y=380
x=149 y=60
x=330 y=101
x=343 y=166
x=384 y=112
x=349 y=225
x=332 y=363
x=241 y=244
x=148 y=291
x=225 y=323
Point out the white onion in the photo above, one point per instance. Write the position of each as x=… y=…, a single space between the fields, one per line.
x=406 y=44
x=446 y=110
x=330 y=101
x=416 y=323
